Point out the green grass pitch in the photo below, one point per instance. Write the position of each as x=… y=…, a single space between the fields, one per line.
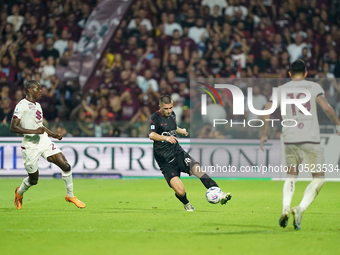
x=142 y=216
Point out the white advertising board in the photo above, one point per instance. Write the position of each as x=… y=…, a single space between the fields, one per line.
x=134 y=157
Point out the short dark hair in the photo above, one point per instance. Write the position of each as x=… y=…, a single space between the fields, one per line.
x=298 y=67
x=165 y=99
x=30 y=84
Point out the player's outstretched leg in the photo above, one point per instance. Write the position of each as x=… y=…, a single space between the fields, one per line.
x=309 y=195
x=208 y=182
x=60 y=160
x=297 y=217
x=177 y=185
x=29 y=181
x=311 y=192
x=288 y=192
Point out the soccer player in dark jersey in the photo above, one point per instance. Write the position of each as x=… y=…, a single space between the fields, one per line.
x=171 y=157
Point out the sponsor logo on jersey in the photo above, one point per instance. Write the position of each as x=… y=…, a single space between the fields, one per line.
x=164 y=124
x=152 y=126
x=172 y=132
x=187 y=161
x=38 y=115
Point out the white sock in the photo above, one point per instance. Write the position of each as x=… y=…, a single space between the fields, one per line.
x=311 y=192
x=25 y=185
x=67 y=177
x=288 y=191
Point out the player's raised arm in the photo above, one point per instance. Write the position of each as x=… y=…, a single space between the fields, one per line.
x=264 y=128
x=322 y=101
x=182 y=131
x=16 y=128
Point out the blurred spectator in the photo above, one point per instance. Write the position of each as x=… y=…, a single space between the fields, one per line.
x=145 y=81
x=109 y=82
x=192 y=46
x=30 y=28
x=63 y=131
x=6 y=114
x=47 y=102
x=228 y=70
x=30 y=54
x=283 y=20
x=129 y=107
x=47 y=71
x=332 y=60
x=4 y=91
x=65 y=58
x=273 y=70
x=264 y=62
x=162 y=39
x=85 y=124
x=284 y=60
x=15 y=19
x=17 y=98
x=117 y=41
x=73 y=28
x=64 y=43
x=238 y=54
x=277 y=47
x=324 y=72
x=104 y=121
x=189 y=20
x=235 y=10
x=221 y=4
x=196 y=32
x=49 y=50
x=85 y=13
x=311 y=63
x=295 y=49
x=178 y=110
x=171 y=26
x=180 y=73
x=177 y=47
x=142 y=22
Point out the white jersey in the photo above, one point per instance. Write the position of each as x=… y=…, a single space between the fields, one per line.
x=307 y=128
x=31 y=117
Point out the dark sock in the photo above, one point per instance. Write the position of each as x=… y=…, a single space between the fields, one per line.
x=184 y=199
x=208 y=182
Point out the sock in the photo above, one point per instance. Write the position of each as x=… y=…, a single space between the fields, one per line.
x=311 y=192
x=288 y=191
x=25 y=185
x=67 y=177
x=183 y=199
x=208 y=182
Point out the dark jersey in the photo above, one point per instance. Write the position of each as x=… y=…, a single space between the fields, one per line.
x=163 y=150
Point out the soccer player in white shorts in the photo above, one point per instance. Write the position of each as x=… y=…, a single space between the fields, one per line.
x=27 y=119
x=302 y=142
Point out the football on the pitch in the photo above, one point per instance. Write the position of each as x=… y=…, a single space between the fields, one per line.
x=214 y=195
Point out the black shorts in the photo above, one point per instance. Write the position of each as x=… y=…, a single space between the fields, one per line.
x=183 y=162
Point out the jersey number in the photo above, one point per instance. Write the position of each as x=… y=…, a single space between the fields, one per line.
x=53 y=146
x=306 y=105
x=38 y=115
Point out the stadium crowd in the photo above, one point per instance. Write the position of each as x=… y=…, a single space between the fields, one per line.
x=158 y=48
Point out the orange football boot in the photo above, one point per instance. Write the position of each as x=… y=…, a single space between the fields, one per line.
x=18 y=199
x=75 y=201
